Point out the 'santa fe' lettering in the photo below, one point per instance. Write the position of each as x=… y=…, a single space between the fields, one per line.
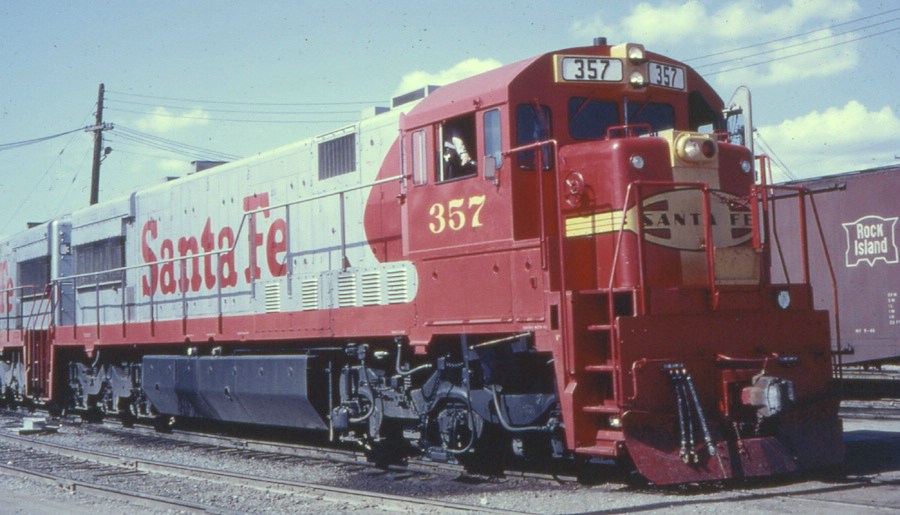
x=200 y=268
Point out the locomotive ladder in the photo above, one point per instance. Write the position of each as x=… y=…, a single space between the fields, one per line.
x=595 y=369
x=37 y=335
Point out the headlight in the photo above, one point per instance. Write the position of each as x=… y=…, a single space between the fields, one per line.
x=635 y=54
x=784 y=299
x=696 y=148
x=637 y=162
x=637 y=79
x=746 y=166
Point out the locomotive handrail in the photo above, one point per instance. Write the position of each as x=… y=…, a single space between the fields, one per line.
x=567 y=355
x=540 y=167
x=709 y=247
x=237 y=233
x=767 y=200
x=95 y=286
x=628 y=130
x=34 y=297
x=635 y=186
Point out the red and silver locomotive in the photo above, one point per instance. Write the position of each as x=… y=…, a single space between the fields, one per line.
x=563 y=258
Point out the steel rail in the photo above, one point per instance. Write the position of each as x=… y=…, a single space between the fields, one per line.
x=325 y=492
x=145 y=500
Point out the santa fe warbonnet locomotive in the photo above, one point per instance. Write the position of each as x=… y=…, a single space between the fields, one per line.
x=564 y=257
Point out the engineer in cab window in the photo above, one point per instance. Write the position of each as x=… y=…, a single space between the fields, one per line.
x=457 y=161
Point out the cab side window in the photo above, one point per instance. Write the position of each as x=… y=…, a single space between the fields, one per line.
x=456 y=155
x=493 y=144
x=532 y=125
x=417 y=157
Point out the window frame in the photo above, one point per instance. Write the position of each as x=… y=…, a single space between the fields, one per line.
x=522 y=157
x=418 y=156
x=100 y=256
x=38 y=268
x=466 y=125
x=492 y=128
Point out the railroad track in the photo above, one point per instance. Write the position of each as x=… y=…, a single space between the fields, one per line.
x=109 y=474
x=876 y=383
x=883 y=409
x=267 y=449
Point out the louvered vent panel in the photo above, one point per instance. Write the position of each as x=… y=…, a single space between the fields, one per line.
x=309 y=294
x=273 y=298
x=371 y=288
x=397 y=286
x=347 y=290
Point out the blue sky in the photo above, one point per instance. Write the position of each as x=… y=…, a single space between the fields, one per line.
x=237 y=78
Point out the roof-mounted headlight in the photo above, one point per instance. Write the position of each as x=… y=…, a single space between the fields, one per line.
x=636 y=54
x=637 y=79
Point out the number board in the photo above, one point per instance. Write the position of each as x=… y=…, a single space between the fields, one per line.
x=588 y=69
x=666 y=75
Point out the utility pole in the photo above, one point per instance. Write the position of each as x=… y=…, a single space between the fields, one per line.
x=98 y=129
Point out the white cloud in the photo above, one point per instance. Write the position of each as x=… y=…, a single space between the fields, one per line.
x=840 y=139
x=174 y=166
x=467 y=68
x=795 y=59
x=693 y=22
x=702 y=27
x=161 y=120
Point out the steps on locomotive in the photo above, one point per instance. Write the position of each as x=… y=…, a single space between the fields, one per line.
x=607 y=406
x=605 y=444
x=607 y=367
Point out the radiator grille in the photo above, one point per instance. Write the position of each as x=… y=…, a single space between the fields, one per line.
x=397 y=286
x=309 y=294
x=371 y=288
x=273 y=298
x=347 y=290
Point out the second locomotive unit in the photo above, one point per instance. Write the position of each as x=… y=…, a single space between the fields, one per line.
x=560 y=258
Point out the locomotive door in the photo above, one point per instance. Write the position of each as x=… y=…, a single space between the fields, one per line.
x=458 y=219
x=37 y=363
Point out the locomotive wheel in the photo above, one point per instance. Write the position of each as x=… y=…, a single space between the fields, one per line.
x=455 y=427
x=489 y=454
x=389 y=449
x=127 y=413
x=163 y=423
x=55 y=410
x=93 y=415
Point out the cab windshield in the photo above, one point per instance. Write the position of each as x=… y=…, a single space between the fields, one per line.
x=589 y=118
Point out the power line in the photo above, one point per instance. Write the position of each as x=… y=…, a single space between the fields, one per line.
x=34 y=188
x=169 y=145
x=235 y=120
x=17 y=144
x=797 y=54
x=236 y=111
x=271 y=104
x=803 y=43
x=774 y=156
x=777 y=40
